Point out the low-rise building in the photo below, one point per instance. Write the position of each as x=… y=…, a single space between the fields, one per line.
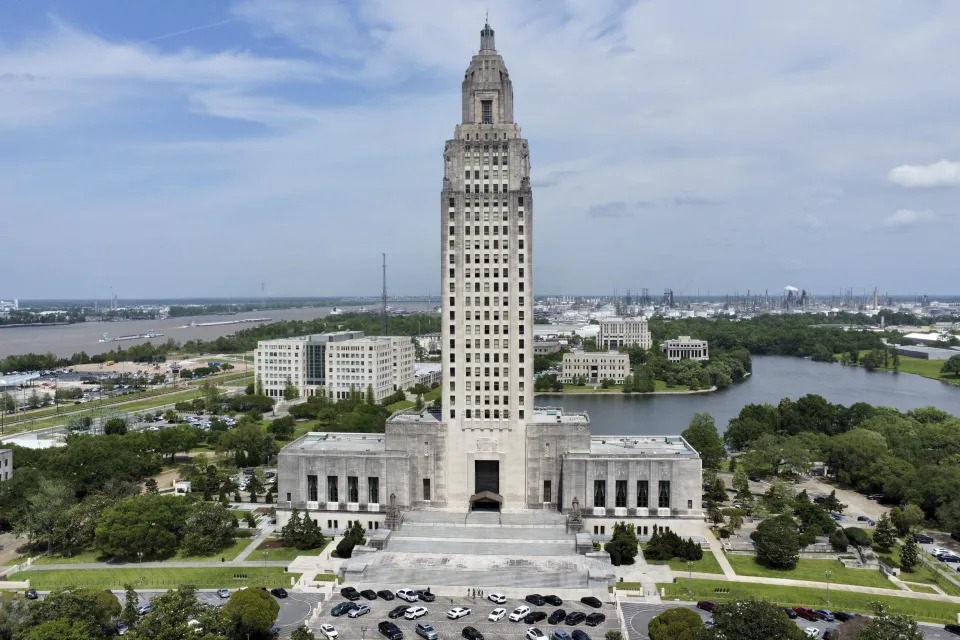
x=624 y=332
x=300 y=360
x=6 y=464
x=404 y=362
x=594 y=366
x=926 y=353
x=685 y=348
x=545 y=347
x=361 y=363
x=428 y=373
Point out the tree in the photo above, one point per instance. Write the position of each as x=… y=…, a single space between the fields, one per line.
x=778 y=497
x=255 y=485
x=290 y=392
x=45 y=507
x=678 y=623
x=909 y=555
x=857 y=536
x=172 y=616
x=777 y=541
x=371 y=399
x=282 y=428
x=703 y=437
x=115 y=426
x=741 y=483
x=131 y=601
x=906 y=518
x=92 y=609
x=302 y=633
x=208 y=529
x=887 y=626
x=250 y=389
x=951 y=366
x=149 y=524
x=752 y=620
x=884 y=535
x=832 y=503
x=250 y=613
x=623 y=546
x=418 y=405
x=60 y=629
x=838 y=540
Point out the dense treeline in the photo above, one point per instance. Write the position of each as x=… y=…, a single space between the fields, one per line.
x=358 y=414
x=908 y=457
x=24 y=316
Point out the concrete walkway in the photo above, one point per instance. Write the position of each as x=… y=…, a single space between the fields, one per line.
x=155 y=565
x=718 y=553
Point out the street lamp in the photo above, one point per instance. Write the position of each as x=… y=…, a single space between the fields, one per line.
x=140 y=558
x=363 y=632
x=690 y=568
x=828 y=573
x=264 y=567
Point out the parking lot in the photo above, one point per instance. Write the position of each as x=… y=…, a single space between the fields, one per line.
x=294 y=609
x=365 y=626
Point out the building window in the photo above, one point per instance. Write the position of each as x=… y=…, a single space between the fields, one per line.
x=664 y=496
x=689 y=504
x=426 y=488
x=333 y=495
x=643 y=498
x=288 y=497
x=621 y=497
x=486 y=111
x=373 y=490
x=353 y=489
x=599 y=493
x=312 y=488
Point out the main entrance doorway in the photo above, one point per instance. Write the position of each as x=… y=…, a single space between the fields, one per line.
x=486 y=486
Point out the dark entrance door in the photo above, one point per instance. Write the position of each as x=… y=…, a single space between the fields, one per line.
x=487 y=476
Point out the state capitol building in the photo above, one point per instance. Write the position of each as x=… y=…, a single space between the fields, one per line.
x=490 y=448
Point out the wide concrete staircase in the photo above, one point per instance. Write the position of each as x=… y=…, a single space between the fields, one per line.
x=522 y=550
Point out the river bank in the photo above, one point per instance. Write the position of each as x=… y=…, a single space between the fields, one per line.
x=613 y=392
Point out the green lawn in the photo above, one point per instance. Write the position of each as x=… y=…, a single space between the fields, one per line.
x=707 y=564
x=922 y=588
x=808 y=569
x=920 y=367
x=401 y=405
x=660 y=385
x=200 y=577
x=280 y=553
x=922 y=573
x=92 y=555
x=432 y=395
x=693 y=590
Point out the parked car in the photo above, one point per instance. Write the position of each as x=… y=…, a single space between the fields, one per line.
x=590 y=601
x=948 y=557
x=557 y=616
x=706 y=605
x=812 y=632
x=865 y=518
x=534 y=617
x=825 y=614
x=457 y=613
x=407 y=594
x=122 y=628
x=579 y=635
x=223 y=593
x=575 y=617
x=385 y=594
x=535 y=634
x=790 y=613
x=831 y=634
x=497 y=598
x=535 y=599
x=361 y=610
x=145 y=609
x=595 y=619
x=342 y=608
x=425 y=595
x=278 y=592
x=390 y=630
x=806 y=614
x=426 y=630
x=554 y=601
x=519 y=613
x=559 y=634
x=497 y=614
x=955 y=535
x=31 y=594
x=397 y=612
x=328 y=631
x=415 y=612
x=953 y=628
x=843 y=616
x=350 y=593
x=471 y=634
x=369 y=594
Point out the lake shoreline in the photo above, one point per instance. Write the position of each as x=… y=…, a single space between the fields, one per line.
x=621 y=393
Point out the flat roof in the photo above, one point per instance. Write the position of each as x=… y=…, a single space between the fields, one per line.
x=557 y=414
x=653 y=446
x=316 y=441
x=428 y=416
x=20 y=378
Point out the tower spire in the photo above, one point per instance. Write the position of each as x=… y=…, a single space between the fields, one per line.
x=486 y=36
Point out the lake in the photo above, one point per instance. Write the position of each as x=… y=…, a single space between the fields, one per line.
x=773 y=378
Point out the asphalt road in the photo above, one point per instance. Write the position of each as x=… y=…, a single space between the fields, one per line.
x=638 y=616
x=294 y=609
x=449 y=629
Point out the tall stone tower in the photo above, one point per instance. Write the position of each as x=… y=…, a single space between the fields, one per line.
x=487 y=287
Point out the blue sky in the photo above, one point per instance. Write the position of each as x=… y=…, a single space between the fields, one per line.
x=185 y=148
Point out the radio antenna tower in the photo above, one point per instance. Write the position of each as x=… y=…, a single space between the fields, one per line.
x=263 y=295
x=383 y=300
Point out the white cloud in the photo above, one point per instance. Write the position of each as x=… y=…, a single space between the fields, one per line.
x=939 y=174
x=906 y=218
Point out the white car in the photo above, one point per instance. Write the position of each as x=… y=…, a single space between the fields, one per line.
x=407 y=594
x=361 y=610
x=498 y=598
x=535 y=634
x=415 y=612
x=328 y=631
x=812 y=632
x=457 y=612
x=519 y=613
x=497 y=615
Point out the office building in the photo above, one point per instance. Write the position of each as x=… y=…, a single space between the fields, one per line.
x=593 y=367
x=624 y=332
x=685 y=348
x=6 y=464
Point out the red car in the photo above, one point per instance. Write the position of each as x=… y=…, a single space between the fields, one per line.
x=806 y=614
x=707 y=605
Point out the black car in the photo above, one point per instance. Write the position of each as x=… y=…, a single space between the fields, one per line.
x=350 y=593
x=575 y=617
x=579 y=635
x=953 y=628
x=425 y=595
x=31 y=594
x=342 y=608
x=554 y=601
x=557 y=616
x=595 y=618
x=590 y=601
x=369 y=594
x=397 y=612
x=922 y=538
x=278 y=592
x=534 y=617
x=790 y=613
x=843 y=616
x=390 y=630
x=536 y=599
x=471 y=634
x=384 y=594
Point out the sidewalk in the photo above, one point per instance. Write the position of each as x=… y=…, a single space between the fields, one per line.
x=718 y=553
